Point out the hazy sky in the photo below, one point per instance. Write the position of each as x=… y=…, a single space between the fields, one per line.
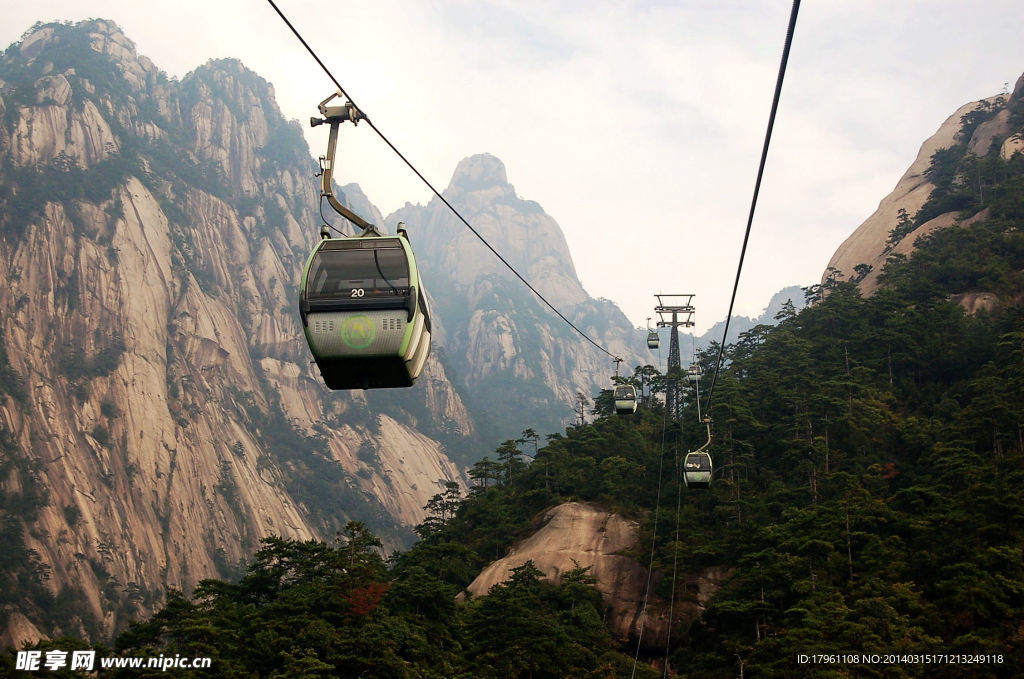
x=636 y=125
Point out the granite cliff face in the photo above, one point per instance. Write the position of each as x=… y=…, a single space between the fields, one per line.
x=975 y=127
x=158 y=411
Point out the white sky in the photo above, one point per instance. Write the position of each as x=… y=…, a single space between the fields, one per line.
x=636 y=125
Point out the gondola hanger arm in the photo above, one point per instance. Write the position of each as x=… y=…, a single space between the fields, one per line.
x=334 y=116
x=707 y=422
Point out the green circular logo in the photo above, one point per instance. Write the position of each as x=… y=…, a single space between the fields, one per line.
x=357 y=332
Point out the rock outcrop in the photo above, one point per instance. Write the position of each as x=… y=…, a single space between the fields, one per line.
x=577 y=535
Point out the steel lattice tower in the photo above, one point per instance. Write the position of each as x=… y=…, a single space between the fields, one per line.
x=674 y=316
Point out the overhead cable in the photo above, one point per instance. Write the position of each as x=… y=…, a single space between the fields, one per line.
x=757 y=189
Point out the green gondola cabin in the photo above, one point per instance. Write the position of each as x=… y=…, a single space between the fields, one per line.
x=364 y=312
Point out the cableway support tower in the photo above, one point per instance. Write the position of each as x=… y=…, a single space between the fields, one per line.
x=674 y=311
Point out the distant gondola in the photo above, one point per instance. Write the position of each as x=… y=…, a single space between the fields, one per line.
x=697 y=470
x=653 y=340
x=364 y=311
x=625 y=399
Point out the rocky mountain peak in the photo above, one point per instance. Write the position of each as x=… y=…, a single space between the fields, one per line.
x=235 y=82
x=102 y=36
x=235 y=117
x=1018 y=88
x=479 y=172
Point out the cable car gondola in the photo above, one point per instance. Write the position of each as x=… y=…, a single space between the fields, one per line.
x=653 y=340
x=624 y=395
x=697 y=470
x=362 y=303
x=364 y=312
x=625 y=399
